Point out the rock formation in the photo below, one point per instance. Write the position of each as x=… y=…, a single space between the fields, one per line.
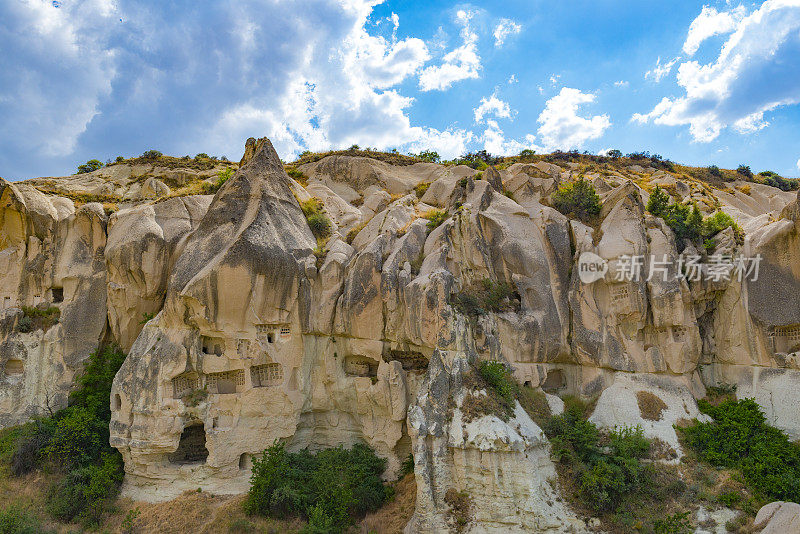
x=242 y=329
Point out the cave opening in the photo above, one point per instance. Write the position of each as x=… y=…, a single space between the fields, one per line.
x=192 y=446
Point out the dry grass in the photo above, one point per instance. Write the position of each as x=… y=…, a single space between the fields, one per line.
x=196 y=512
x=393 y=517
x=651 y=406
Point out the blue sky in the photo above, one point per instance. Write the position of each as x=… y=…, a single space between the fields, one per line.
x=699 y=83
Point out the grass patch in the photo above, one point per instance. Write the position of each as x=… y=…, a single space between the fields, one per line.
x=487 y=296
x=331 y=489
x=211 y=188
x=38 y=318
x=650 y=406
x=435 y=218
x=421 y=188
x=318 y=222
x=491 y=390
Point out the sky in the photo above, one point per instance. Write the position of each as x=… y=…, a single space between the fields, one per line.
x=698 y=83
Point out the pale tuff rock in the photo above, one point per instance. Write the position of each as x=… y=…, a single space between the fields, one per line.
x=242 y=329
x=619 y=406
x=778 y=518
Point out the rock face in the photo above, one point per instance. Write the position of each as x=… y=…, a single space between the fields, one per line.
x=242 y=328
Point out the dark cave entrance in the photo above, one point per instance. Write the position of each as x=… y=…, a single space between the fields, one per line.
x=192 y=446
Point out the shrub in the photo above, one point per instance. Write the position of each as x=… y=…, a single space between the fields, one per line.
x=489 y=296
x=740 y=438
x=222 y=177
x=435 y=218
x=329 y=488
x=577 y=199
x=28 y=447
x=84 y=493
x=89 y=166
x=298 y=176
x=775 y=180
x=428 y=156
x=152 y=154
x=202 y=155
x=714 y=224
x=25 y=324
x=119 y=159
x=15 y=520
x=421 y=188
x=498 y=378
x=614 y=154
x=40 y=318
x=713 y=170
x=658 y=203
x=745 y=171
x=677 y=523
x=318 y=222
x=75 y=439
x=527 y=153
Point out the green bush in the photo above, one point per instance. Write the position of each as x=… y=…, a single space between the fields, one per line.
x=152 y=154
x=740 y=438
x=89 y=166
x=677 y=523
x=318 y=222
x=608 y=475
x=498 y=378
x=719 y=221
x=25 y=324
x=74 y=440
x=428 y=156
x=577 y=199
x=329 y=488
x=222 y=177
x=435 y=218
x=713 y=170
x=489 y=296
x=15 y=520
x=776 y=180
x=85 y=493
x=745 y=171
x=658 y=204
x=421 y=188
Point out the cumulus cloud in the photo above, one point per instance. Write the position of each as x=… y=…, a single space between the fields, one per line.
x=462 y=63
x=504 y=29
x=562 y=127
x=709 y=23
x=95 y=74
x=495 y=142
x=661 y=70
x=54 y=72
x=492 y=106
x=755 y=72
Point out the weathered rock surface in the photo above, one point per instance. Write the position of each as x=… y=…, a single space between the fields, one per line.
x=241 y=328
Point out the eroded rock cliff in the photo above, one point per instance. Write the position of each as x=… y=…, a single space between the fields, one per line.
x=243 y=328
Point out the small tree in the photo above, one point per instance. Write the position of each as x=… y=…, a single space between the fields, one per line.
x=658 y=203
x=614 y=153
x=745 y=171
x=577 y=199
x=89 y=166
x=429 y=156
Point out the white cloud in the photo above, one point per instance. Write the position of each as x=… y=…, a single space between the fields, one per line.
x=54 y=72
x=659 y=71
x=513 y=79
x=504 y=29
x=756 y=72
x=709 y=23
x=494 y=141
x=492 y=106
x=554 y=79
x=562 y=127
x=621 y=83
x=798 y=164
x=462 y=63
